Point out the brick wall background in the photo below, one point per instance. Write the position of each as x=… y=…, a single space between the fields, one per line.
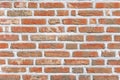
x=60 y=40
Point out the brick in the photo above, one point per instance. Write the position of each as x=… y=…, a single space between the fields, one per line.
x=53 y=21
x=73 y=13
x=35 y=69
x=113 y=62
x=92 y=46
x=6 y=54
x=105 y=77
x=13 y=69
x=9 y=76
x=113 y=29
x=51 y=5
x=23 y=46
x=108 y=5
x=29 y=54
x=76 y=61
x=71 y=46
x=20 y=5
x=33 y=21
x=62 y=13
x=99 y=70
x=90 y=13
x=117 y=70
x=19 y=13
x=7 y=37
x=8 y=21
x=72 y=29
x=1 y=12
x=79 y=5
x=3 y=45
x=77 y=70
x=24 y=29
x=1 y=30
x=32 y=5
x=109 y=21
x=44 y=13
x=51 y=45
x=70 y=38
x=5 y=4
x=34 y=77
x=48 y=62
x=57 y=29
x=108 y=54
x=85 y=54
x=56 y=69
x=24 y=37
x=116 y=13
x=84 y=77
x=99 y=38
x=62 y=77
x=113 y=46
x=117 y=38
x=43 y=37
x=70 y=21
x=20 y=61
x=2 y=61
x=98 y=62
x=93 y=21
x=91 y=29
x=56 y=54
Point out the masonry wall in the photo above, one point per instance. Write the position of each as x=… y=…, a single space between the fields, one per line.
x=60 y=40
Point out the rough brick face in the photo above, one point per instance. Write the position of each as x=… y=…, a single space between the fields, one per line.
x=59 y=40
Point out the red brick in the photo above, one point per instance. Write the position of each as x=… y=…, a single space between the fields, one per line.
x=85 y=54
x=79 y=5
x=33 y=21
x=84 y=77
x=20 y=5
x=23 y=46
x=29 y=54
x=99 y=70
x=90 y=13
x=8 y=37
x=3 y=45
x=62 y=13
x=48 y=62
x=77 y=21
x=34 y=77
x=6 y=54
x=56 y=54
x=32 y=5
x=20 y=61
x=99 y=38
x=51 y=45
x=44 y=13
x=91 y=29
x=114 y=46
x=5 y=4
x=62 y=77
x=56 y=69
x=9 y=76
x=51 y=5
x=92 y=46
x=35 y=69
x=76 y=62
x=24 y=29
x=13 y=69
x=108 y=5
x=105 y=77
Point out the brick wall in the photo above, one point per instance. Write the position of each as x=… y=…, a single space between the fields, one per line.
x=60 y=40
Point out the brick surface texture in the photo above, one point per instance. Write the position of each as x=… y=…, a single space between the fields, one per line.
x=59 y=40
